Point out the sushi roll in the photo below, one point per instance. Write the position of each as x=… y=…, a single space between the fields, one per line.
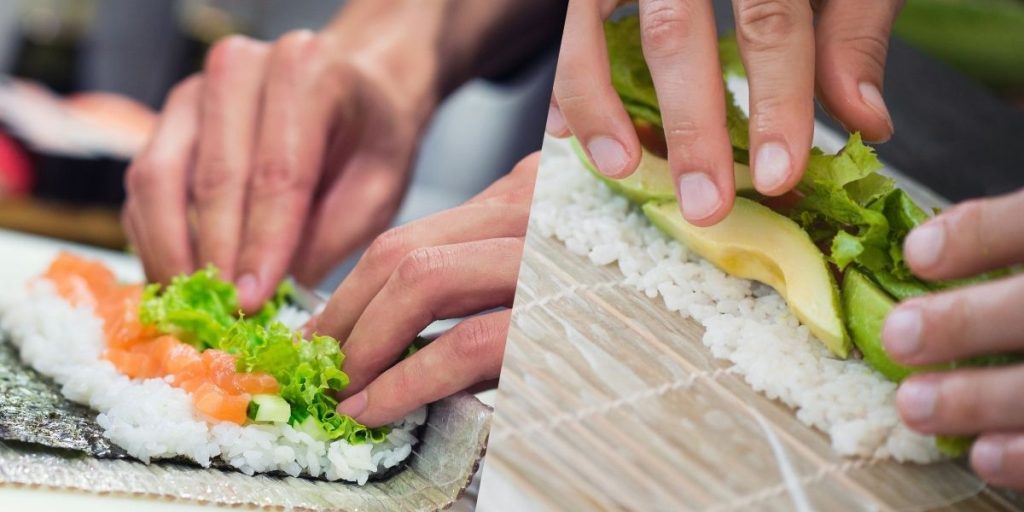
x=177 y=371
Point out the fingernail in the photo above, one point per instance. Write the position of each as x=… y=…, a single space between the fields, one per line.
x=248 y=287
x=354 y=405
x=923 y=247
x=987 y=456
x=916 y=399
x=872 y=97
x=609 y=156
x=556 y=121
x=902 y=332
x=771 y=166
x=698 y=196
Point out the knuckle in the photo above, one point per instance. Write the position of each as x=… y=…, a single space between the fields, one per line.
x=766 y=112
x=473 y=339
x=143 y=175
x=682 y=132
x=213 y=177
x=422 y=266
x=277 y=175
x=388 y=246
x=764 y=24
x=185 y=90
x=292 y=49
x=870 y=48
x=665 y=24
x=224 y=53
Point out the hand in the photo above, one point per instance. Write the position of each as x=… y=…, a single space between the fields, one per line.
x=456 y=263
x=787 y=58
x=289 y=154
x=969 y=239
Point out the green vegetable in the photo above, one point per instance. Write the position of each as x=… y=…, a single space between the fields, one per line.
x=203 y=310
x=200 y=308
x=632 y=80
x=269 y=409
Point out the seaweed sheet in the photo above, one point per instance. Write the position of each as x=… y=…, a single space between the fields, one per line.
x=49 y=441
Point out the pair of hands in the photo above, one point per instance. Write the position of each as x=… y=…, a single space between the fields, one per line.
x=788 y=57
x=284 y=157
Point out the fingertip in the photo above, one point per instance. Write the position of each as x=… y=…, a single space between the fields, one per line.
x=355 y=405
x=556 y=125
x=249 y=291
x=987 y=456
x=923 y=248
x=882 y=130
x=610 y=156
x=774 y=170
x=702 y=202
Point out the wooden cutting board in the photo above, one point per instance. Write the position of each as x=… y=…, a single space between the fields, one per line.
x=609 y=401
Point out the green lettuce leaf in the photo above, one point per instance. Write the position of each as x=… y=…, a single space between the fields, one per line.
x=197 y=309
x=203 y=310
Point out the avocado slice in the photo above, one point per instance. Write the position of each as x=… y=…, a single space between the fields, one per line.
x=652 y=180
x=754 y=242
x=865 y=306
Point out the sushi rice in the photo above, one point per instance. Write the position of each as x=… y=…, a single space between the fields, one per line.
x=746 y=323
x=151 y=419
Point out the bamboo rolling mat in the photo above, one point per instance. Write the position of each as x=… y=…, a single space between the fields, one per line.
x=609 y=401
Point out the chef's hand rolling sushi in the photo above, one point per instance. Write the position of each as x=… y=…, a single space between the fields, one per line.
x=456 y=263
x=983 y=319
x=294 y=153
x=788 y=56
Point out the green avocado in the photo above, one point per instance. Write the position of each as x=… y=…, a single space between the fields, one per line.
x=865 y=306
x=652 y=180
x=754 y=242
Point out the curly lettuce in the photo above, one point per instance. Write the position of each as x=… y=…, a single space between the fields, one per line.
x=203 y=310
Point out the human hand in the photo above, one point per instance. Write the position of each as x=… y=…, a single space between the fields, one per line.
x=458 y=262
x=967 y=240
x=286 y=155
x=787 y=58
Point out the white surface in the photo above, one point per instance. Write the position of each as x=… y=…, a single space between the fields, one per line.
x=21 y=258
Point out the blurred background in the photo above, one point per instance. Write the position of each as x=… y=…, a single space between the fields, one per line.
x=81 y=80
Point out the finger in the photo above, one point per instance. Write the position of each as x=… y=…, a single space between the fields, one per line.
x=469 y=353
x=375 y=186
x=129 y=222
x=291 y=143
x=463 y=224
x=516 y=187
x=429 y=284
x=680 y=46
x=971 y=238
x=852 y=43
x=230 y=111
x=156 y=184
x=555 y=124
x=776 y=40
x=951 y=325
x=964 y=401
x=584 y=95
x=999 y=459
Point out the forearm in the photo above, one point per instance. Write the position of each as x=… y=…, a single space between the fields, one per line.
x=440 y=44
